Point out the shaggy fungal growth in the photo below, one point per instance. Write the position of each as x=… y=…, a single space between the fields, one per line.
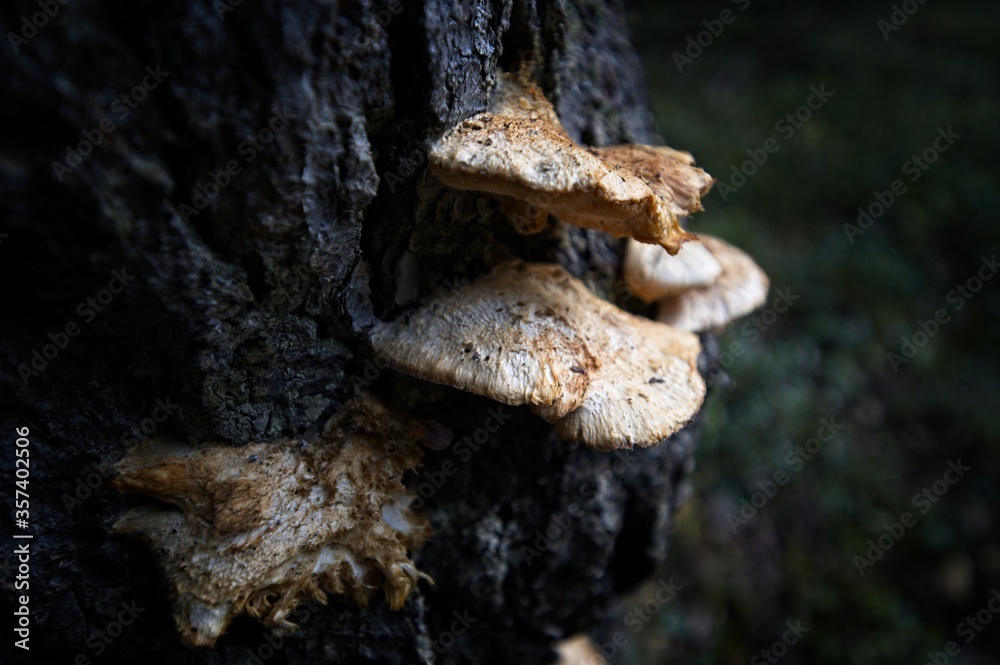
x=519 y=149
x=740 y=289
x=533 y=334
x=652 y=274
x=260 y=528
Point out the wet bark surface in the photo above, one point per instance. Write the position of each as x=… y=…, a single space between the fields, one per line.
x=220 y=200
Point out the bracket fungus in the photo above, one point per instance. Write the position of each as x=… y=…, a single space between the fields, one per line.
x=518 y=149
x=652 y=274
x=259 y=528
x=533 y=334
x=739 y=289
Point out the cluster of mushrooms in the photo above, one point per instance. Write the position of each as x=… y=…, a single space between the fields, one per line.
x=533 y=334
x=258 y=529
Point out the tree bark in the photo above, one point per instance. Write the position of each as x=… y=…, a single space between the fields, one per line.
x=252 y=179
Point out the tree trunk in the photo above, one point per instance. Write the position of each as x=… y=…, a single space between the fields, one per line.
x=206 y=204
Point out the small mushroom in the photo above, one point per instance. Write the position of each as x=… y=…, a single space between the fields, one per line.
x=533 y=334
x=518 y=148
x=579 y=650
x=259 y=528
x=652 y=274
x=740 y=289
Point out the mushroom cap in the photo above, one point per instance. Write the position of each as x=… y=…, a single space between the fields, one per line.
x=533 y=334
x=518 y=148
x=505 y=336
x=651 y=273
x=670 y=173
x=646 y=388
x=740 y=289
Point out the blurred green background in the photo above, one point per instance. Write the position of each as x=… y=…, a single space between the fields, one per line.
x=826 y=357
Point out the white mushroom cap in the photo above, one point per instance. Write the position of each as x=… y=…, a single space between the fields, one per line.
x=646 y=388
x=740 y=289
x=505 y=336
x=651 y=273
x=519 y=149
x=533 y=334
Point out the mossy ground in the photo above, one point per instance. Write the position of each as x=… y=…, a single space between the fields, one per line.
x=827 y=356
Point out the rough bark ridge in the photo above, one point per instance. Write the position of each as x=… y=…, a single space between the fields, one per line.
x=257 y=172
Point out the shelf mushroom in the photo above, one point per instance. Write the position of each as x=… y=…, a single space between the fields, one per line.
x=704 y=287
x=518 y=150
x=533 y=334
x=652 y=274
x=260 y=528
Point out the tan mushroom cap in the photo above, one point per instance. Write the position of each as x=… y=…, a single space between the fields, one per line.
x=533 y=334
x=505 y=337
x=740 y=289
x=652 y=274
x=670 y=173
x=646 y=388
x=519 y=149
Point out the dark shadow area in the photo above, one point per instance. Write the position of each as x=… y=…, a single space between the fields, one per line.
x=869 y=383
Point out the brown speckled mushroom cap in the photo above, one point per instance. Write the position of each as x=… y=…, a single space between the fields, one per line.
x=519 y=149
x=651 y=273
x=506 y=336
x=740 y=289
x=533 y=334
x=646 y=388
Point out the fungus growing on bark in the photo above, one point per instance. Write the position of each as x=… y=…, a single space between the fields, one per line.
x=579 y=650
x=518 y=148
x=260 y=528
x=740 y=289
x=533 y=334
x=652 y=274
x=670 y=173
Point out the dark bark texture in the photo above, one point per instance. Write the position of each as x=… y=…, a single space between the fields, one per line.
x=257 y=174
